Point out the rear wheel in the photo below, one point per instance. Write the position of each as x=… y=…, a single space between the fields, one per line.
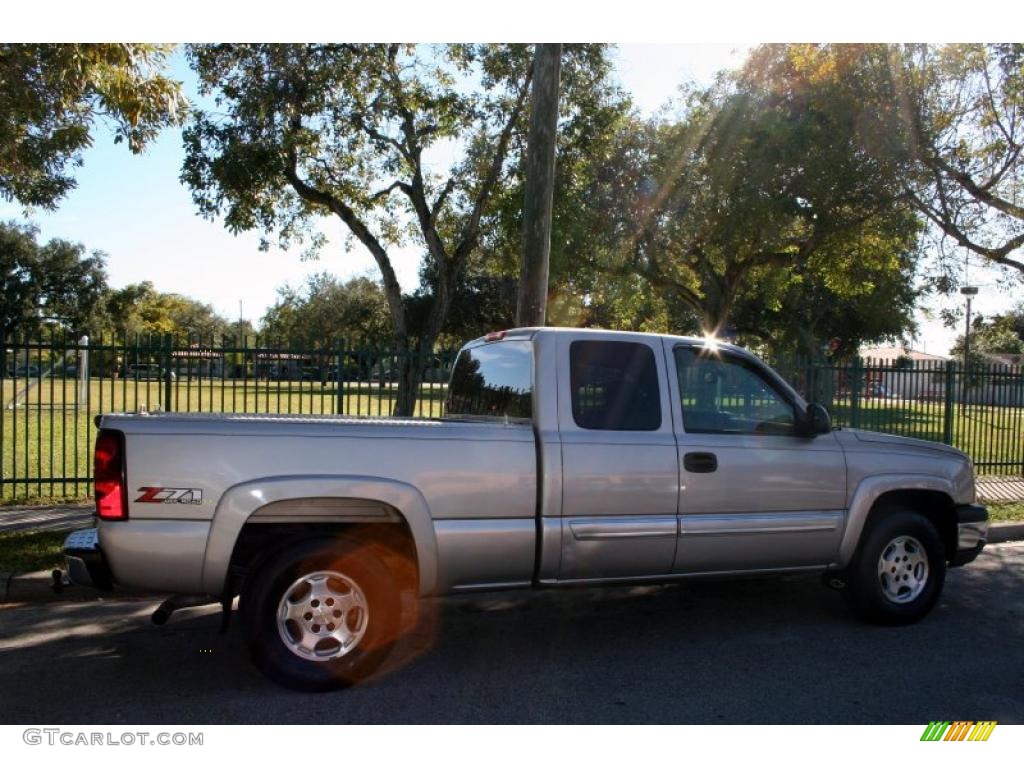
x=321 y=614
x=899 y=569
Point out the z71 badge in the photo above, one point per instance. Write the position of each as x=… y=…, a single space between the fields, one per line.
x=170 y=496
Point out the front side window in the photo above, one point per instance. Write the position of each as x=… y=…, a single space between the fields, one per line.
x=493 y=380
x=614 y=386
x=723 y=394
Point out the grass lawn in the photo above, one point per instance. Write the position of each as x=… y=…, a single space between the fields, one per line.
x=24 y=552
x=1004 y=512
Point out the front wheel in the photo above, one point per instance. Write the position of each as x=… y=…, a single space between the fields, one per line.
x=321 y=614
x=899 y=569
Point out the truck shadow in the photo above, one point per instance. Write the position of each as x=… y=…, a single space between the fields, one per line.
x=767 y=650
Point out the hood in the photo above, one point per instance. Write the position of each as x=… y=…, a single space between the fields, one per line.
x=896 y=441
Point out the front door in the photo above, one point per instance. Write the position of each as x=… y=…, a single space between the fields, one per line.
x=753 y=493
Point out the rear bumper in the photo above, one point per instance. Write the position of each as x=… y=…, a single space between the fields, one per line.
x=84 y=560
x=972 y=533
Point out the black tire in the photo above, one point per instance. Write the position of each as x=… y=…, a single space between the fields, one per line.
x=869 y=595
x=363 y=565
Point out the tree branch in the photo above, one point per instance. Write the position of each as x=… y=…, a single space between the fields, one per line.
x=392 y=288
x=999 y=254
x=471 y=231
x=937 y=164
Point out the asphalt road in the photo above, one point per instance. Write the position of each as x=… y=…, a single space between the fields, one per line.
x=755 y=651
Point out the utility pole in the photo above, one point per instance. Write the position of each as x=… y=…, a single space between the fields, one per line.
x=531 y=307
x=970 y=291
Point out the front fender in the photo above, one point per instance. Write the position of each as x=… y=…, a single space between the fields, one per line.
x=239 y=503
x=868 y=491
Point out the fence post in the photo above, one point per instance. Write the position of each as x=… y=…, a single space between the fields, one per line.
x=168 y=365
x=855 y=389
x=83 y=370
x=339 y=374
x=947 y=412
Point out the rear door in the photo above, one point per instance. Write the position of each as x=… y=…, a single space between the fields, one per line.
x=619 y=463
x=753 y=493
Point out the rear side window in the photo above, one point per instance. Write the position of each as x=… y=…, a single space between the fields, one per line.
x=614 y=386
x=493 y=380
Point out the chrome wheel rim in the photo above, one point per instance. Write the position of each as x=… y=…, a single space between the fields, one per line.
x=322 y=616
x=903 y=569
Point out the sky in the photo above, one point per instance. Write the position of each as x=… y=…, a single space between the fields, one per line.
x=135 y=210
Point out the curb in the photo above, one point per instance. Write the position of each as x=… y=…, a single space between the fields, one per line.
x=35 y=587
x=1000 y=532
x=33 y=519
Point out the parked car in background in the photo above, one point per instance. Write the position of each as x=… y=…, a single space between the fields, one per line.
x=148 y=372
x=384 y=372
x=30 y=371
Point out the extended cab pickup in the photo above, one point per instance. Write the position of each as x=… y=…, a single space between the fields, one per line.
x=565 y=457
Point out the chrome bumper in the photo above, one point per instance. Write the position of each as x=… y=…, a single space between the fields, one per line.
x=84 y=561
x=972 y=533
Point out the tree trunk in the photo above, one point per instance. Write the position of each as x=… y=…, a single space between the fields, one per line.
x=531 y=309
x=409 y=371
x=410 y=375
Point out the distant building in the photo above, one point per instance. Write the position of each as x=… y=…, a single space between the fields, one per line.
x=903 y=373
x=892 y=354
x=906 y=374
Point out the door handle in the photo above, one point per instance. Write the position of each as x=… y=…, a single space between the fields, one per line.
x=700 y=462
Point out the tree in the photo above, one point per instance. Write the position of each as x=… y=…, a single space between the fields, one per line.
x=361 y=133
x=140 y=309
x=756 y=194
x=51 y=96
x=55 y=283
x=955 y=112
x=1000 y=334
x=324 y=311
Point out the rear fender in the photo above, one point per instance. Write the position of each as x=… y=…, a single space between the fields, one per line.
x=240 y=502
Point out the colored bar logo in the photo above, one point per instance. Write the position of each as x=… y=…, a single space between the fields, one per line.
x=960 y=730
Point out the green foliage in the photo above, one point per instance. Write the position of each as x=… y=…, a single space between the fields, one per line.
x=324 y=311
x=1000 y=334
x=51 y=283
x=750 y=206
x=51 y=96
x=140 y=309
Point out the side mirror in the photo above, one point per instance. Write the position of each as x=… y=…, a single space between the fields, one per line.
x=816 y=421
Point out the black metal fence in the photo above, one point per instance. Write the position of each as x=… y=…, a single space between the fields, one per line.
x=52 y=387
x=979 y=410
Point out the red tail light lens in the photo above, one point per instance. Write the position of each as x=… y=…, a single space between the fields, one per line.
x=108 y=477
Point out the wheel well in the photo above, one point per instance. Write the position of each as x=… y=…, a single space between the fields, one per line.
x=258 y=541
x=937 y=506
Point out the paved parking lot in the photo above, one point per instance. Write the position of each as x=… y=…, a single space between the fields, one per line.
x=761 y=651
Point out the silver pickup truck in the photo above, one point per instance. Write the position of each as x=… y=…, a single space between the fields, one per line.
x=565 y=457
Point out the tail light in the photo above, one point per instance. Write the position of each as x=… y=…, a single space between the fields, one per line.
x=109 y=476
